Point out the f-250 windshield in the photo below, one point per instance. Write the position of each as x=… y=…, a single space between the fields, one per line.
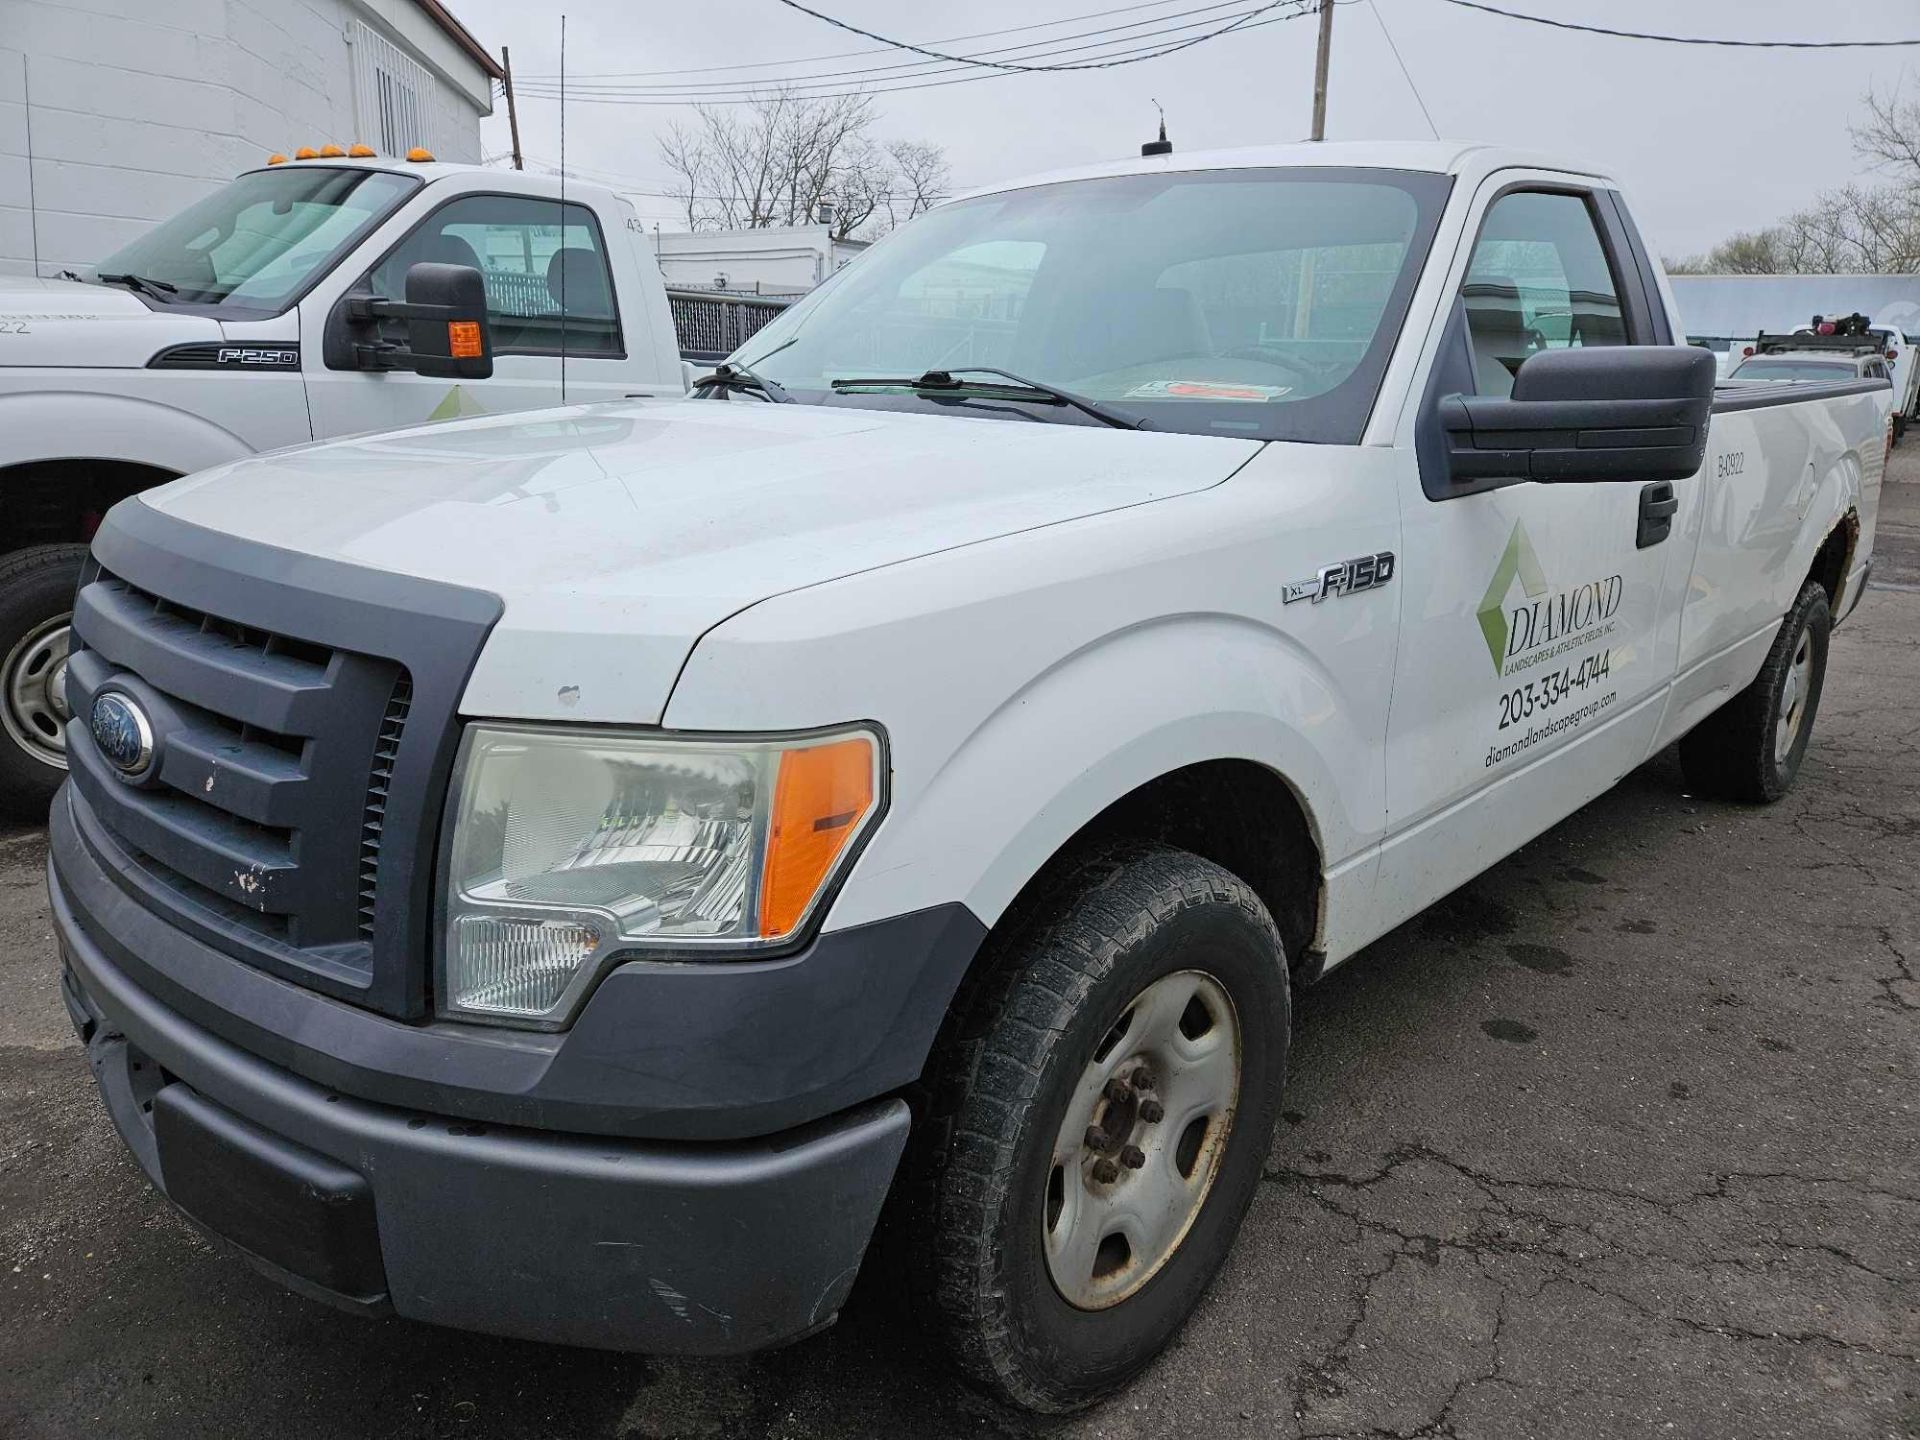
x=254 y=246
x=1256 y=303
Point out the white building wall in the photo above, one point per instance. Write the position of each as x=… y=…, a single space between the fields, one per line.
x=775 y=259
x=139 y=107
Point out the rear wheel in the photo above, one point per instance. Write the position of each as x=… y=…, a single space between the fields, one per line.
x=36 y=611
x=1751 y=748
x=1100 y=1126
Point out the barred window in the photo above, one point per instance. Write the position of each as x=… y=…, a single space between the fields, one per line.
x=392 y=93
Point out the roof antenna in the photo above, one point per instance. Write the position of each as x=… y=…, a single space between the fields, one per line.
x=1162 y=146
x=563 y=207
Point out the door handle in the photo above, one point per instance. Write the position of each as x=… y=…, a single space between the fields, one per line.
x=1658 y=506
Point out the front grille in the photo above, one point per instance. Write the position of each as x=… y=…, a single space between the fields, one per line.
x=302 y=733
x=242 y=810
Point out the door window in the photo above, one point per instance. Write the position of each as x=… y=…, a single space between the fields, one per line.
x=1539 y=280
x=544 y=264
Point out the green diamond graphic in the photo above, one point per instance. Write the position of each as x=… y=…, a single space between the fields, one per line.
x=457 y=403
x=1517 y=561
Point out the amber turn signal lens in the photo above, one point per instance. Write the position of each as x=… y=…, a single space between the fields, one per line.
x=463 y=339
x=822 y=795
x=361 y=152
x=306 y=152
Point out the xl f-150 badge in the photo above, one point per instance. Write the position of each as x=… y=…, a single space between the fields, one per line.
x=1349 y=577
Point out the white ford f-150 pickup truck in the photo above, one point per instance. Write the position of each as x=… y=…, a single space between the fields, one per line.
x=241 y=325
x=560 y=875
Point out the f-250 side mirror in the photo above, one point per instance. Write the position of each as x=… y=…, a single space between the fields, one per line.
x=446 y=318
x=1617 y=412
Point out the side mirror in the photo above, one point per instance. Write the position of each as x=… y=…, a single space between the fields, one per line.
x=1614 y=412
x=446 y=315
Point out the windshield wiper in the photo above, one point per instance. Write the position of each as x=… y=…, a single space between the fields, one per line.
x=159 y=289
x=737 y=377
x=948 y=380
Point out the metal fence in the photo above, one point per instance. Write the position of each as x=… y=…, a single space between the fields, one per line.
x=709 y=325
x=712 y=326
x=512 y=293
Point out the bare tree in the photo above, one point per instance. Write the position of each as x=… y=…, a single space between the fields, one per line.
x=922 y=179
x=787 y=157
x=1856 y=229
x=1889 y=138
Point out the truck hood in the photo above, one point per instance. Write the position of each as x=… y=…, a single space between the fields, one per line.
x=69 y=324
x=617 y=535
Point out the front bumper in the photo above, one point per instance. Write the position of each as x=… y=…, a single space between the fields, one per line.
x=661 y=1247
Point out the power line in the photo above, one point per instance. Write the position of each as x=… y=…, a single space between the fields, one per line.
x=1683 y=39
x=1013 y=66
x=926 y=67
x=972 y=75
x=864 y=50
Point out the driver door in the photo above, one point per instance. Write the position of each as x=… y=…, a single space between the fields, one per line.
x=1539 y=633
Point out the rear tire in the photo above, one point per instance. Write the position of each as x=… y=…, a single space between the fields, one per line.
x=1750 y=749
x=36 y=603
x=1054 y=1269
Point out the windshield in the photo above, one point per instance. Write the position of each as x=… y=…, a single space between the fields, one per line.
x=1791 y=370
x=256 y=244
x=1242 y=302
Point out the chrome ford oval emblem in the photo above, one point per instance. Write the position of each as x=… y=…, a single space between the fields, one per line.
x=122 y=731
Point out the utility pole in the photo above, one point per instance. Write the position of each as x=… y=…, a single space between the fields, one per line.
x=513 y=113
x=1319 y=71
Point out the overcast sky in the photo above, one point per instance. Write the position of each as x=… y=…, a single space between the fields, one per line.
x=1708 y=140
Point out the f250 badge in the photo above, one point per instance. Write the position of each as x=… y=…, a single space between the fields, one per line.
x=1349 y=577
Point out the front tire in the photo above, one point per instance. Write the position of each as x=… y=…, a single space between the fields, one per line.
x=1751 y=748
x=36 y=605
x=1100 y=1125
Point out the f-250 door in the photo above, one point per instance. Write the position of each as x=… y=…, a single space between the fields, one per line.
x=549 y=290
x=1538 y=635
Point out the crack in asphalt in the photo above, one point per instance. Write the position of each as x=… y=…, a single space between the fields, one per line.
x=1323 y=1379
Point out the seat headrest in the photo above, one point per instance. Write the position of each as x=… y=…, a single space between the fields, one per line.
x=576 y=275
x=443 y=249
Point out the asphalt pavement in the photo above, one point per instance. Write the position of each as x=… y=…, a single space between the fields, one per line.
x=1623 y=1139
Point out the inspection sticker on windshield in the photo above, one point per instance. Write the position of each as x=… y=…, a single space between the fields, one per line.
x=1206 y=390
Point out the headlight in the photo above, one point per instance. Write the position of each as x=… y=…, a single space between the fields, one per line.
x=571 y=846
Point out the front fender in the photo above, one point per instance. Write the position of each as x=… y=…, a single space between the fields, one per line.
x=1100 y=724
x=69 y=424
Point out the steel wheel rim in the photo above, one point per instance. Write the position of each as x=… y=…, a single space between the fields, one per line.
x=1793 y=699
x=1142 y=1140
x=33 y=692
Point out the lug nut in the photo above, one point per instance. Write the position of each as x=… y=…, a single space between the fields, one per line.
x=1117 y=1092
x=1152 y=1111
x=1133 y=1157
x=1105 y=1171
x=1096 y=1138
x=1143 y=1080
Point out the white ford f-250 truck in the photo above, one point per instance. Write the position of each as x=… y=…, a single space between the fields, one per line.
x=228 y=330
x=559 y=875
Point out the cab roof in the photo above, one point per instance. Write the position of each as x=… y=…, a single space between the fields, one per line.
x=1437 y=157
x=427 y=171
